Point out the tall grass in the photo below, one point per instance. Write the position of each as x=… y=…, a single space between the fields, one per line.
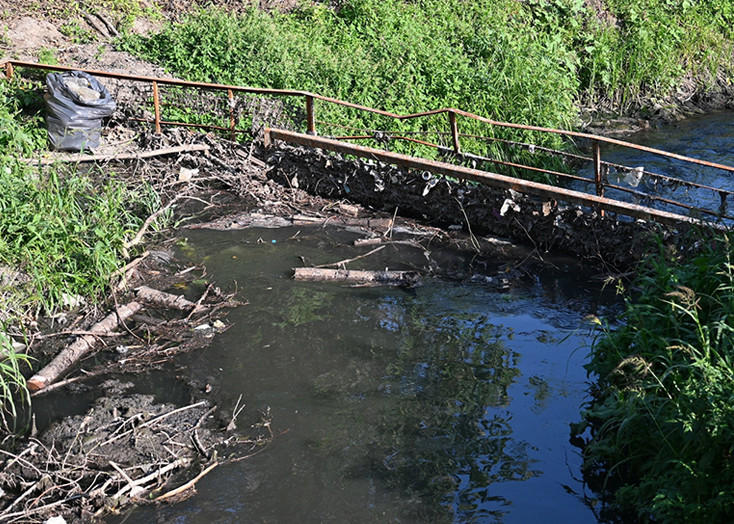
x=521 y=61
x=482 y=56
x=61 y=233
x=662 y=414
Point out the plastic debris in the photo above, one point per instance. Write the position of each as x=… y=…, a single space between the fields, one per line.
x=507 y=205
x=634 y=176
x=76 y=104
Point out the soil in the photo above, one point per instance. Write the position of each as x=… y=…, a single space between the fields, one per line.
x=78 y=460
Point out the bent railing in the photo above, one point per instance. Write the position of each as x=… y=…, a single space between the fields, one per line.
x=237 y=110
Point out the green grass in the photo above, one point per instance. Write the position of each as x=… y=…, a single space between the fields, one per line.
x=528 y=62
x=63 y=231
x=483 y=57
x=662 y=413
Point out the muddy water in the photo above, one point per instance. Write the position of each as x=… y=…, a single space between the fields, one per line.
x=449 y=402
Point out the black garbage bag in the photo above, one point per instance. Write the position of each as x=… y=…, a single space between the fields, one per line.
x=76 y=103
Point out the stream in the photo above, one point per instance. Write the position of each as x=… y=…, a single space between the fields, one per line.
x=447 y=402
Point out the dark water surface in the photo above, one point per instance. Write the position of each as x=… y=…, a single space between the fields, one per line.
x=450 y=402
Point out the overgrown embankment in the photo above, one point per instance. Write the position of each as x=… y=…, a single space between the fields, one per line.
x=535 y=62
x=661 y=416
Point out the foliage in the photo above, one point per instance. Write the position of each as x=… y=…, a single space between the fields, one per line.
x=662 y=416
x=526 y=62
x=67 y=235
x=403 y=57
x=12 y=382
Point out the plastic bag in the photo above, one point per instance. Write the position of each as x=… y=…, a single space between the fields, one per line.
x=76 y=103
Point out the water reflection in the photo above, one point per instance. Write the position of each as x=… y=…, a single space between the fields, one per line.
x=425 y=405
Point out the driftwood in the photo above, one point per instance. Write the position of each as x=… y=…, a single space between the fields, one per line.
x=109 y=25
x=388 y=278
x=101 y=29
x=147 y=294
x=80 y=347
x=122 y=156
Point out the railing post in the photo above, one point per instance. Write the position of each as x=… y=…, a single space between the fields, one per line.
x=232 y=134
x=454 y=132
x=8 y=70
x=310 y=116
x=597 y=171
x=597 y=168
x=157 y=106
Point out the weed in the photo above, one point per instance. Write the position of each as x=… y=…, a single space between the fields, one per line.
x=661 y=416
x=78 y=34
x=47 y=56
x=13 y=389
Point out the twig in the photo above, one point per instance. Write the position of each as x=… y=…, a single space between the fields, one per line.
x=144 y=480
x=344 y=262
x=235 y=413
x=136 y=239
x=189 y=484
x=169 y=413
x=392 y=224
x=125 y=156
x=474 y=241
x=198 y=307
x=125 y=271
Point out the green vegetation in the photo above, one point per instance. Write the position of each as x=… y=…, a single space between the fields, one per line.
x=12 y=382
x=530 y=62
x=61 y=235
x=662 y=415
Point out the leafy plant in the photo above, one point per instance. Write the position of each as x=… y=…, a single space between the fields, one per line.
x=661 y=417
x=12 y=382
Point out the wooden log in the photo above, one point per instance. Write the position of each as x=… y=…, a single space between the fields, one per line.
x=79 y=157
x=101 y=29
x=147 y=294
x=388 y=278
x=74 y=352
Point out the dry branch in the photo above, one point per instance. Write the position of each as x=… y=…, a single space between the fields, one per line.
x=101 y=29
x=190 y=484
x=389 y=278
x=74 y=352
x=147 y=294
x=348 y=260
x=122 y=156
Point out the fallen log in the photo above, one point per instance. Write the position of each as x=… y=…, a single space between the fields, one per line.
x=74 y=352
x=147 y=294
x=387 y=278
x=80 y=157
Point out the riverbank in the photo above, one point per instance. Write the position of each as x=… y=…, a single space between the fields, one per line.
x=269 y=188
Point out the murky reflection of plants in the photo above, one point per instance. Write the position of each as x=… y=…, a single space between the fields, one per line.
x=437 y=431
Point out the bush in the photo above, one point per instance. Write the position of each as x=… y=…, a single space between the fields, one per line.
x=662 y=415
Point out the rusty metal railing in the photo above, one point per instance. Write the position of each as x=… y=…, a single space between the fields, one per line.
x=601 y=169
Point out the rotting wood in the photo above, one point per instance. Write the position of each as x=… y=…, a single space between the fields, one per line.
x=190 y=484
x=367 y=241
x=122 y=156
x=70 y=355
x=108 y=24
x=96 y=25
x=170 y=300
x=388 y=278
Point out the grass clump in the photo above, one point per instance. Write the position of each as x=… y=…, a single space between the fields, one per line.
x=662 y=414
x=62 y=234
